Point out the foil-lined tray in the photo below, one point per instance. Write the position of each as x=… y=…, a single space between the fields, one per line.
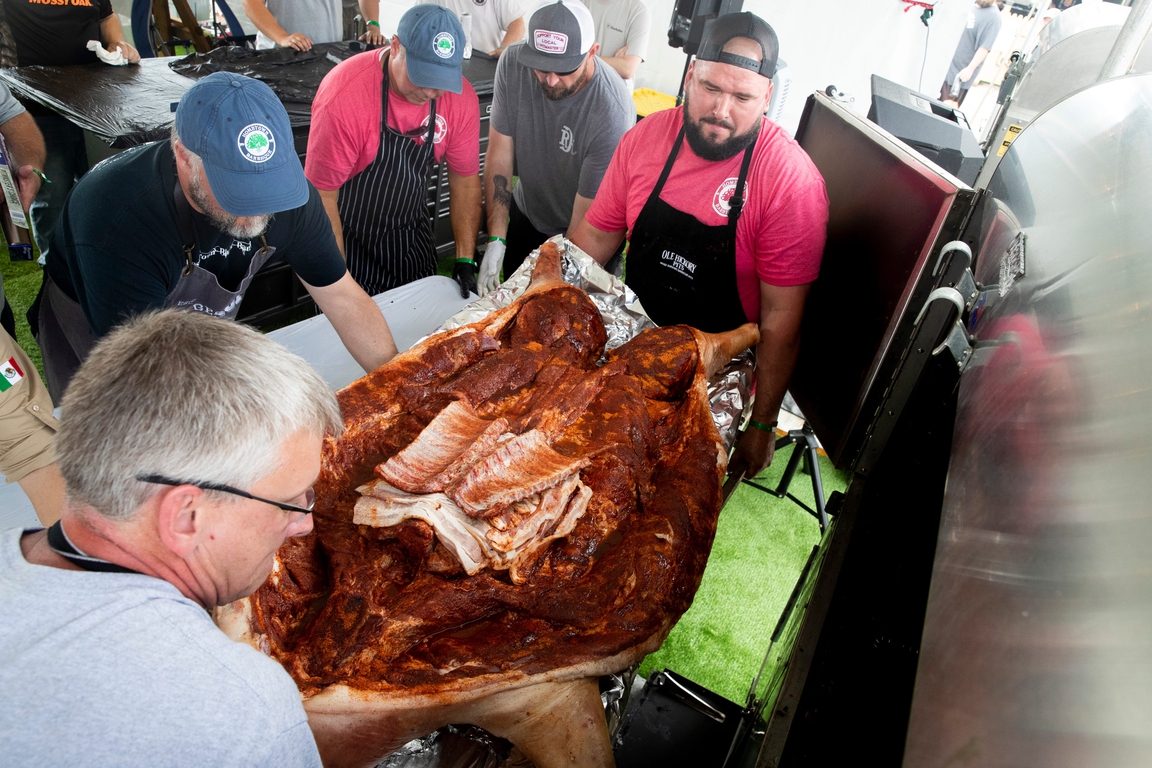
x=729 y=391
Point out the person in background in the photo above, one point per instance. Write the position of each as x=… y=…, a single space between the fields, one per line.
x=57 y=34
x=975 y=42
x=27 y=425
x=189 y=452
x=726 y=214
x=380 y=120
x=300 y=24
x=496 y=24
x=622 y=30
x=559 y=112
x=194 y=219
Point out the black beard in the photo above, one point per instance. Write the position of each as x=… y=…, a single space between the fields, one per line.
x=559 y=92
x=708 y=150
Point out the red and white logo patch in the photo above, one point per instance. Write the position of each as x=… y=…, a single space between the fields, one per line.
x=551 y=42
x=441 y=129
x=721 y=200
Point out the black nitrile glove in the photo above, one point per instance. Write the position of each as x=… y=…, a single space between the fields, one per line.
x=464 y=273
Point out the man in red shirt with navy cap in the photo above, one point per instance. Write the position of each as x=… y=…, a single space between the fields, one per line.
x=186 y=223
x=380 y=120
x=725 y=213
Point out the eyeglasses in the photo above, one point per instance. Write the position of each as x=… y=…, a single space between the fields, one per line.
x=309 y=495
x=569 y=72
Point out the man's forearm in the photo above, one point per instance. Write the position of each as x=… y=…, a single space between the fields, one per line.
x=264 y=21
x=370 y=10
x=775 y=361
x=513 y=34
x=357 y=320
x=330 y=198
x=464 y=200
x=625 y=66
x=597 y=243
x=498 y=181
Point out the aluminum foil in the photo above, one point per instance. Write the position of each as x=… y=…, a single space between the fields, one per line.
x=729 y=391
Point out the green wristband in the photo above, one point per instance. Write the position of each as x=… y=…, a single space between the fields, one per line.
x=495 y=239
x=766 y=427
x=374 y=24
x=466 y=261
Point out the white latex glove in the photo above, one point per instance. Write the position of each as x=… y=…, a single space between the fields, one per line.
x=115 y=58
x=489 y=278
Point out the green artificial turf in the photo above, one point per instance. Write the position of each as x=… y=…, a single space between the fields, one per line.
x=21 y=284
x=761 y=545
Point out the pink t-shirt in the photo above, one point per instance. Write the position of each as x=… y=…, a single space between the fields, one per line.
x=345 y=132
x=780 y=235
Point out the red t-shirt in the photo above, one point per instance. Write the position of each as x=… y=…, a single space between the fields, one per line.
x=345 y=132
x=780 y=235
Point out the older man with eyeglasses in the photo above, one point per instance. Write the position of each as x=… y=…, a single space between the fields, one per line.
x=189 y=446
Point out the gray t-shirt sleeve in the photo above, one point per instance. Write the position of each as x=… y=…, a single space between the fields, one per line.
x=613 y=125
x=9 y=107
x=639 y=30
x=503 y=96
x=988 y=27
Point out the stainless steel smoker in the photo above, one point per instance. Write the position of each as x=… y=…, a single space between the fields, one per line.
x=987 y=353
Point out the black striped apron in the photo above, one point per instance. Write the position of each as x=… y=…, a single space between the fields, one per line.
x=384 y=209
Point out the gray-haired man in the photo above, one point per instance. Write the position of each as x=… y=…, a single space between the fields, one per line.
x=189 y=446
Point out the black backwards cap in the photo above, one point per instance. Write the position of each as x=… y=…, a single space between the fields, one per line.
x=728 y=26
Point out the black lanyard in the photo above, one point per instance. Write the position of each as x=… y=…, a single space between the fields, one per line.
x=60 y=544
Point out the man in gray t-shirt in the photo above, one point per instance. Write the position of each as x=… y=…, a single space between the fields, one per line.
x=301 y=23
x=174 y=505
x=559 y=112
x=979 y=36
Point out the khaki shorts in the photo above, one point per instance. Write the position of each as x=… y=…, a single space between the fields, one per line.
x=27 y=426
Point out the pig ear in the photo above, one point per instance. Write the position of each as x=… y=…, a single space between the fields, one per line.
x=716 y=349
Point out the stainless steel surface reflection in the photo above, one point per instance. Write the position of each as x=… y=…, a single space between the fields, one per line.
x=1037 y=647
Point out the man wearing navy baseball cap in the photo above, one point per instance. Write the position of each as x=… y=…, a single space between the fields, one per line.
x=380 y=120
x=187 y=222
x=725 y=214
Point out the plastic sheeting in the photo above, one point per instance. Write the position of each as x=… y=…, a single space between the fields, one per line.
x=129 y=106
x=292 y=75
x=123 y=106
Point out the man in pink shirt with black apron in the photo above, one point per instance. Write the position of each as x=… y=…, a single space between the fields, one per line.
x=725 y=213
x=380 y=120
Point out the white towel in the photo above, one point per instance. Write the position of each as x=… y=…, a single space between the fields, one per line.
x=115 y=59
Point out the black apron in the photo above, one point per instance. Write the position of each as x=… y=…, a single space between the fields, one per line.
x=684 y=271
x=384 y=209
x=63 y=334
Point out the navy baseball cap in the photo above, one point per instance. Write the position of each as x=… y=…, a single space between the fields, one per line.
x=241 y=131
x=433 y=43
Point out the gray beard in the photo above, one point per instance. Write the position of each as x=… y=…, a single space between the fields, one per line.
x=219 y=218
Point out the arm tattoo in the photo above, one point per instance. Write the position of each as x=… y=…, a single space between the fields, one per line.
x=500 y=193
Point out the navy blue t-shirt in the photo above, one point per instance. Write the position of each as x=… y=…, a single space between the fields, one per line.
x=117 y=248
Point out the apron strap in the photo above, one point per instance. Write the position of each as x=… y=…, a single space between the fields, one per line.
x=187 y=230
x=430 y=140
x=736 y=202
x=58 y=541
x=656 y=190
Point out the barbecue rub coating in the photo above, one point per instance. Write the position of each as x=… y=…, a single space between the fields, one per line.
x=504 y=507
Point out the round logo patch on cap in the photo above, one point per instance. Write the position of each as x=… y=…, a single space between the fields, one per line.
x=444 y=45
x=257 y=145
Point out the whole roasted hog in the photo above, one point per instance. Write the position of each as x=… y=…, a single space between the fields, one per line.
x=505 y=517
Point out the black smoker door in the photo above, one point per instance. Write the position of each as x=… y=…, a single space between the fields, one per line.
x=890 y=212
